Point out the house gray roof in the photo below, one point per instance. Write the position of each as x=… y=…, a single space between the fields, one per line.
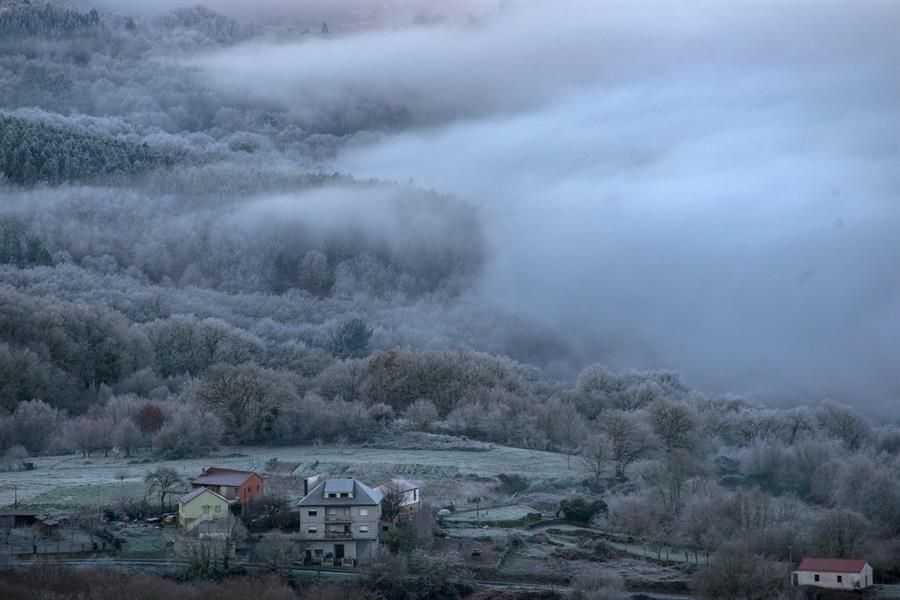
x=218 y=476
x=338 y=486
x=19 y=512
x=363 y=495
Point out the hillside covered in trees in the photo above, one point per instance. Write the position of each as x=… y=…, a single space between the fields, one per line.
x=40 y=153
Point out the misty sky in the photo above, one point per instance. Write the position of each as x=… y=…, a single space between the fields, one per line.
x=706 y=187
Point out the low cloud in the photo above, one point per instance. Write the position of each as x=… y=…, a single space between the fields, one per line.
x=530 y=54
x=704 y=187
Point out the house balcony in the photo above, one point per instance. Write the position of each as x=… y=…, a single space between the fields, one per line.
x=338 y=518
x=338 y=535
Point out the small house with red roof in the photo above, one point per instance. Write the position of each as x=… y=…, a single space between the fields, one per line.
x=833 y=573
x=238 y=487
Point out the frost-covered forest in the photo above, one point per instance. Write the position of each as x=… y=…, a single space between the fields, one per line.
x=184 y=266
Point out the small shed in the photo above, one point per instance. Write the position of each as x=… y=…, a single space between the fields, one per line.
x=833 y=573
x=47 y=526
x=18 y=517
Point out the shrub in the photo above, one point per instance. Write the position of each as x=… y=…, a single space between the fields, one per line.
x=582 y=510
x=351 y=339
x=511 y=484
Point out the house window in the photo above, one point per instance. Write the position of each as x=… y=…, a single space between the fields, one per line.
x=364 y=529
x=312 y=529
x=364 y=512
x=218 y=508
x=206 y=510
x=345 y=495
x=312 y=513
x=257 y=487
x=840 y=579
x=816 y=577
x=385 y=528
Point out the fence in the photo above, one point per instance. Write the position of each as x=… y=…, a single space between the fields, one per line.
x=70 y=541
x=53 y=548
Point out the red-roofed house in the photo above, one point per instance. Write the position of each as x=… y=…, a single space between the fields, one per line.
x=236 y=486
x=834 y=573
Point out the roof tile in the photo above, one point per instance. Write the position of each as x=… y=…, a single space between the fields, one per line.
x=218 y=476
x=832 y=565
x=363 y=495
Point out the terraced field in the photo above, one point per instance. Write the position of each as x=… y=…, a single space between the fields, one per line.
x=500 y=513
x=98 y=494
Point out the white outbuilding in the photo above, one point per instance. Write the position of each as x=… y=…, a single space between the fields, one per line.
x=833 y=573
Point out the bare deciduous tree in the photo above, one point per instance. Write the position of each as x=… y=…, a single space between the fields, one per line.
x=840 y=533
x=596 y=454
x=87 y=434
x=159 y=480
x=669 y=479
x=127 y=436
x=391 y=501
x=149 y=418
x=248 y=398
x=628 y=439
x=674 y=423
x=843 y=423
x=565 y=426
x=736 y=572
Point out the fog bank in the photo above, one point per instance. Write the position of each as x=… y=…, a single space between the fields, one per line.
x=709 y=188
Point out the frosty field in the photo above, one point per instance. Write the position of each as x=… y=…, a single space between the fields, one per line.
x=75 y=481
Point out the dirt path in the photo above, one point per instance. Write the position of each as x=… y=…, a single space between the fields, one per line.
x=667 y=554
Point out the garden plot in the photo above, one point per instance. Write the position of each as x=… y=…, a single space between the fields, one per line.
x=497 y=534
x=458 y=490
x=537 y=561
x=80 y=496
x=471 y=552
x=641 y=575
x=515 y=512
x=374 y=472
x=145 y=541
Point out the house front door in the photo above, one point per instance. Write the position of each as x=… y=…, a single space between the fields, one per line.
x=338 y=551
x=796 y=579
